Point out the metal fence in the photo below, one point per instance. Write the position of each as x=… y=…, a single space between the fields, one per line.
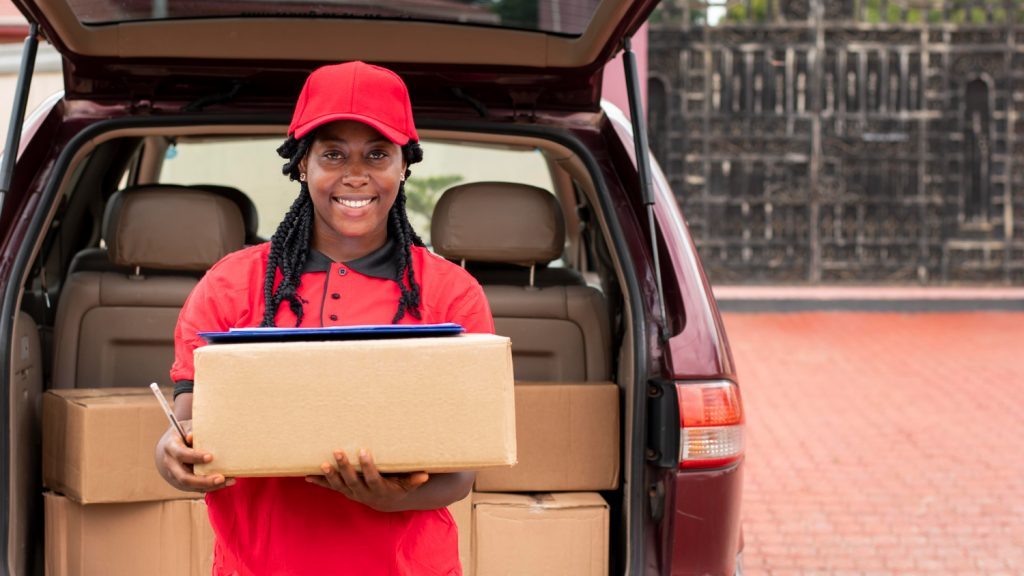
x=839 y=140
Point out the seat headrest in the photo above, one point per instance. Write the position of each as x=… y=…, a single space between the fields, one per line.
x=498 y=222
x=166 y=227
x=250 y=215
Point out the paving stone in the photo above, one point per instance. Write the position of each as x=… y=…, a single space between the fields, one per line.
x=882 y=442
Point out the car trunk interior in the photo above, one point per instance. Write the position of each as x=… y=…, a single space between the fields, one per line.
x=85 y=322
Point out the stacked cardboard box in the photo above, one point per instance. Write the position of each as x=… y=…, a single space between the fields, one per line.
x=98 y=445
x=164 y=538
x=542 y=515
x=540 y=534
x=116 y=515
x=435 y=404
x=567 y=440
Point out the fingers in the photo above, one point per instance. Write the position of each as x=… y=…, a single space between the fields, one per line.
x=176 y=465
x=332 y=478
x=413 y=481
x=189 y=481
x=347 y=474
x=365 y=487
x=371 y=475
x=369 y=486
x=319 y=481
x=378 y=483
x=182 y=476
x=185 y=454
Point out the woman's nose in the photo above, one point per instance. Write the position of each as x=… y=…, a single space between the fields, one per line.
x=355 y=175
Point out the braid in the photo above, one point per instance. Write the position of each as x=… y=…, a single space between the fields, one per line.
x=289 y=247
x=294 y=151
x=401 y=230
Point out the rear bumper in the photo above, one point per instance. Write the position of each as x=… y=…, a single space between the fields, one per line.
x=706 y=532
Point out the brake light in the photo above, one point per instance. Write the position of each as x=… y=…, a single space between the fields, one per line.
x=711 y=424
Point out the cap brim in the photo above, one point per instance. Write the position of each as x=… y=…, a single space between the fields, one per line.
x=396 y=136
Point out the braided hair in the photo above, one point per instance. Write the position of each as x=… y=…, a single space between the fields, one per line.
x=290 y=244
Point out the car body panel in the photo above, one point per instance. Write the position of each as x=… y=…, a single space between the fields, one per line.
x=707 y=508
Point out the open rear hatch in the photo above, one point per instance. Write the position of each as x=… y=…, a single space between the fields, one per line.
x=481 y=54
x=504 y=54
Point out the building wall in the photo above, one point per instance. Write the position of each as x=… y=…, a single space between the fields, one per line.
x=843 y=141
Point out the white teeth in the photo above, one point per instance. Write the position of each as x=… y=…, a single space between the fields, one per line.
x=354 y=203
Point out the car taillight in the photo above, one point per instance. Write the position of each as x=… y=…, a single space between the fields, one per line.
x=711 y=424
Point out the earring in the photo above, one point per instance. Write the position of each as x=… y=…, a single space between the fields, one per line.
x=302 y=177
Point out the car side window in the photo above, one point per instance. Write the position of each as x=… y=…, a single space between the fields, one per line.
x=446 y=164
x=250 y=165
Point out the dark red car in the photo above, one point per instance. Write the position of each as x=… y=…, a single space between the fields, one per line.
x=196 y=95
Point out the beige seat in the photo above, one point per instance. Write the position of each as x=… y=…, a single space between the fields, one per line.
x=558 y=332
x=115 y=323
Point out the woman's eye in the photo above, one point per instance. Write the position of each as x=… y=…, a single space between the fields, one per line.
x=377 y=155
x=332 y=155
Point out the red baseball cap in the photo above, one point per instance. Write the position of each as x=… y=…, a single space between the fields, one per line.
x=355 y=91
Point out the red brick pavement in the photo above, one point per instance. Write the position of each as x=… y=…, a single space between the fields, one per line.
x=882 y=443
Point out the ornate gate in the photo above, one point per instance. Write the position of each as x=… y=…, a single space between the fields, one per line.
x=844 y=140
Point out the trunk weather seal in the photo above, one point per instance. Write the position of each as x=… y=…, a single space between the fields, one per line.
x=637 y=466
x=10 y=157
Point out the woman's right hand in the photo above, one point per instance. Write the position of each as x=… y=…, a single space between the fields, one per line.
x=175 y=461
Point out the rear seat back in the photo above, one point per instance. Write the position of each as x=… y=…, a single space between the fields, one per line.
x=559 y=332
x=116 y=315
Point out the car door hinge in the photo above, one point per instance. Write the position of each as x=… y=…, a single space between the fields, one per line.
x=524 y=103
x=140 y=106
x=656 y=500
x=662 y=447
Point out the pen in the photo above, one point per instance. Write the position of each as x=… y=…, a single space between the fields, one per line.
x=167 y=410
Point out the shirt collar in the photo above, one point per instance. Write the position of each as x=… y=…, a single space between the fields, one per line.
x=381 y=263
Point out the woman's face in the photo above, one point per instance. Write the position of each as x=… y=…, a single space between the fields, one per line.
x=353 y=173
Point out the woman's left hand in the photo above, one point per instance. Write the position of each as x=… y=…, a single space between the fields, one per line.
x=382 y=493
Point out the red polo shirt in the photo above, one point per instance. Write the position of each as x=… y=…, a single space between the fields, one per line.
x=286 y=525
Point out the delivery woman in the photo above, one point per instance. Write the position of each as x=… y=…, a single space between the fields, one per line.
x=343 y=254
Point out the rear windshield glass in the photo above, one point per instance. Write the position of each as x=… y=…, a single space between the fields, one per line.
x=569 y=17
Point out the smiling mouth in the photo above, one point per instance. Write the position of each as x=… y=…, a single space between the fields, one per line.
x=354 y=203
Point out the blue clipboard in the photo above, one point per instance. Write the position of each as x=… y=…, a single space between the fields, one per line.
x=363 y=332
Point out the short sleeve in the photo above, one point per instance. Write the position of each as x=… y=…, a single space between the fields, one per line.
x=472 y=311
x=216 y=304
x=200 y=313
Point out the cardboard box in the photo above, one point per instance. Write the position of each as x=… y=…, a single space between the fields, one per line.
x=171 y=538
x=98 y=445
x=462 y=513
x=283 y=408
x=539 y=535
x=201 y=547
x=567 y=439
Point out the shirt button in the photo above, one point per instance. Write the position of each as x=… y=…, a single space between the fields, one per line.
x=342 y=271
x=334 y=316
x=335 y=295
